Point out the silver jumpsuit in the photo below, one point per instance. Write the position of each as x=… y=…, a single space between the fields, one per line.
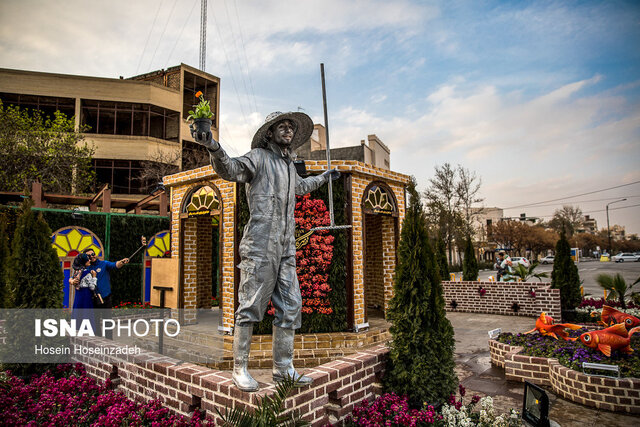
x=267 y=249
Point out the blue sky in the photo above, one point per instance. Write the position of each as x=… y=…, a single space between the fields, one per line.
x=539 y=98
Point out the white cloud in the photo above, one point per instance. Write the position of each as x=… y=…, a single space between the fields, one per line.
x=556 y=143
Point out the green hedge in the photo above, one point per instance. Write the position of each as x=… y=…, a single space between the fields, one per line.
x=317 y=322
x=125 y=232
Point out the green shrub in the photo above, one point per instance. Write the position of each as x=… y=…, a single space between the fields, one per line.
x=34 y=278
x=565 y=275
x=421 y=362
x=469 y=263
x=4 y=256
x=441 y=258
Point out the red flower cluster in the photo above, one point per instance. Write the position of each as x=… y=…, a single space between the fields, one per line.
x=314 y=259
x=129 y=304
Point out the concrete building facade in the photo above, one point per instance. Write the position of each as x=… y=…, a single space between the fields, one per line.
x=127 y=121
x=372 y=152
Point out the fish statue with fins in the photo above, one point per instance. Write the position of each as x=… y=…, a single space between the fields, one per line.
x=611 y=316
x=614 y=337
x=545 y=325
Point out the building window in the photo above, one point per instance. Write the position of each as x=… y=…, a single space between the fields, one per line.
x=121 y=175
x=48 y=105
x=193 y=84
x=125 y=118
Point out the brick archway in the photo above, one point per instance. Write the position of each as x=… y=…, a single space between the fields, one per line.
x=201 y=237
x=380 y=235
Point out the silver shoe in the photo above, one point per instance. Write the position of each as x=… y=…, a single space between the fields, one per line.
x=241 y=347
x=283 y=357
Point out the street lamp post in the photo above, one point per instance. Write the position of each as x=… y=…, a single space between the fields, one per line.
x=608 y=230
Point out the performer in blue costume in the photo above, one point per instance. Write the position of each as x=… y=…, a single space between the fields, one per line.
x=85 y=283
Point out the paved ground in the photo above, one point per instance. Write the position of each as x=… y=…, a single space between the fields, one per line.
x=588 y=271
x=479 y=377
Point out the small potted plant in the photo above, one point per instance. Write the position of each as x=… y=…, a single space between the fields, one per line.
x=202 y=115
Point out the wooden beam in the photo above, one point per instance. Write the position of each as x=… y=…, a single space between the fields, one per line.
x=37 y=195
x=93 y=203
x=163 y=209
x=137 y=207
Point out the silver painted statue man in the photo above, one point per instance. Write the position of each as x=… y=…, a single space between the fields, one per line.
x=267 y=250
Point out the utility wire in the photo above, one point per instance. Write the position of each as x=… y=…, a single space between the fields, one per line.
x=233 y=80
x=571 y=197
x=246 y=60
x=239 y=56
x=587 y=201
x=149 y=36
x=163 y=31
x=181 y=31
x=230 y=141
x=592 y=212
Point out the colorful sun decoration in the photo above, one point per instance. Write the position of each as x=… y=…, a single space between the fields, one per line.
x=203 y=200
x=70 y=241
x=159 y=245
x=378 y=200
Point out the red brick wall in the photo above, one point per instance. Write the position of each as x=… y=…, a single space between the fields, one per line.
x=500 y=297
x=373 y=263
x=388 y=257
x=613 y=394
x=203 y=262
x=338 y=385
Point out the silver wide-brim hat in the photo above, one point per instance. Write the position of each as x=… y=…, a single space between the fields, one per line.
x=303 y=123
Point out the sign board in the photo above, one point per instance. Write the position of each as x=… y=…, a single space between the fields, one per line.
x=494 y=333
x=164 y=272
x=614 y=369
x=575 y=254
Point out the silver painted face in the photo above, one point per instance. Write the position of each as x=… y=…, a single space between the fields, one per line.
x=282 y=133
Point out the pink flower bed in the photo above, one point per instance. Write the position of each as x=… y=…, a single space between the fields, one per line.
x=68 y=396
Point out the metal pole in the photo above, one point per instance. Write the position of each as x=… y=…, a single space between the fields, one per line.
x=608 y=233
x=203 y=34
x=326 y=128
x=608 y=230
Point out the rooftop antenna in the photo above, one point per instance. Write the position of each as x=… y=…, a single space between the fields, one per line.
x=333 y=225
x=203 y=34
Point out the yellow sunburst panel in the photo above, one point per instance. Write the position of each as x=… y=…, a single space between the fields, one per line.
x=378 y=199
x=159 y=244
x=70 y=241
x=204 y=198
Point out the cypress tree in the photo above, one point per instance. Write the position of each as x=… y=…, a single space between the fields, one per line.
x=4 y=254
x=469 y=263
x=34 y=280
x=565 y=275
x=421 y=363
x=441 y=258
x=34 y=276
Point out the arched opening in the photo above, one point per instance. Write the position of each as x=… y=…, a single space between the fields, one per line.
x=380 y=211
x=201 y=243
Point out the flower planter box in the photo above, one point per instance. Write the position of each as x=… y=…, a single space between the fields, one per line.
x=612 y=394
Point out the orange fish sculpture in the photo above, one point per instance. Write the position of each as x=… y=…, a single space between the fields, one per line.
x=614 y=337
x=611 y=316
x=545 y=325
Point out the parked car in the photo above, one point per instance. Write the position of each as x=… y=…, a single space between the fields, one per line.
x=625 y=256
x=547 y=260
x=515 y=260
